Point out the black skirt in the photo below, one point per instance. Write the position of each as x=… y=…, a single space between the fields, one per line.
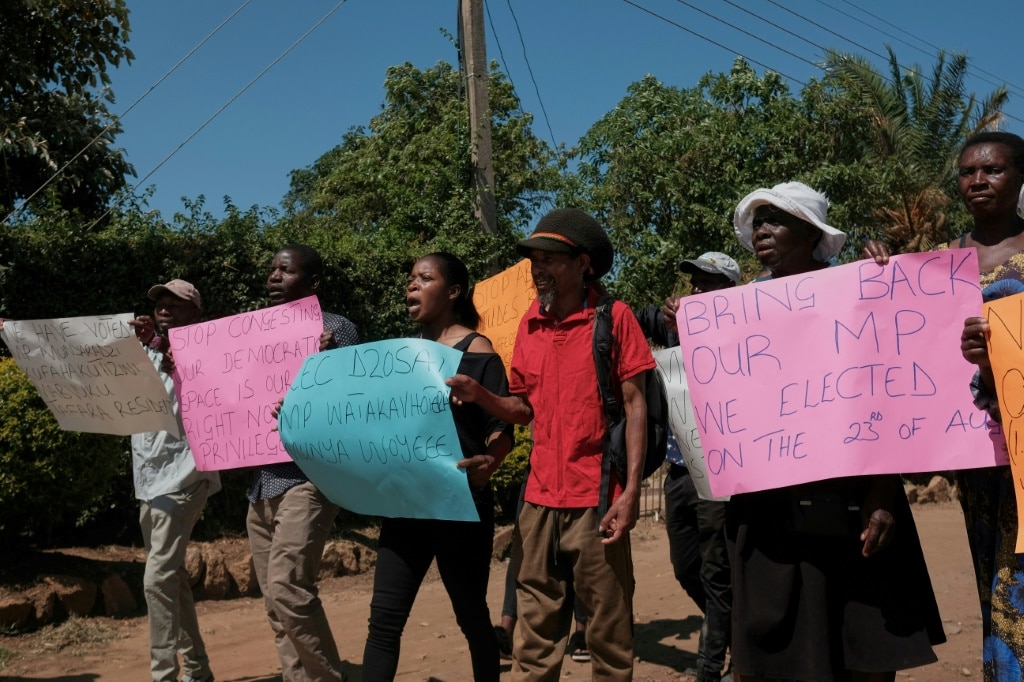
x=807 y=605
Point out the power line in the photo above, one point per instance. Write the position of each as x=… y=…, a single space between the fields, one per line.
x=853 y=42
x=800 y=37
x=713 y=42
x=508 y=73
x=766 y=20
x=121 y=116
x=811 y=42
x=504 y=62
x=529 y=70
x=813 y=23
x=875 y=28
x=863 y=47
x=747 y=33
x=998 y=80
x=224 y=106
x=773 y=24
x=828 y=30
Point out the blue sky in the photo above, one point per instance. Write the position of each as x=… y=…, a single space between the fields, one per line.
x=583 y=55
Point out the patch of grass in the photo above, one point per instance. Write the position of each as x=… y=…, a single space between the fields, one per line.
x=6 y=655
x=76 y=635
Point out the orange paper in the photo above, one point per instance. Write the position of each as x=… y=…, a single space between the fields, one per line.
x=1006 y=352
x=501 y=301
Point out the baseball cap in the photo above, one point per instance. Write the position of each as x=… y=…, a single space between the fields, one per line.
x=713 y=262
x=180 y=288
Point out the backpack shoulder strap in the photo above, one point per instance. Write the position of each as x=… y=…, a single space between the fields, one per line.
x=603 y=341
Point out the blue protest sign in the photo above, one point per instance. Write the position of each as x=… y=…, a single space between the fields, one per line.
x=372 y=428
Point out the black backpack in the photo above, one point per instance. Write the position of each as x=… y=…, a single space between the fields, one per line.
x=615 y=433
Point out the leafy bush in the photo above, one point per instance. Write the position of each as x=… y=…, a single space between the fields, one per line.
x=508 y=479
x=48 y=477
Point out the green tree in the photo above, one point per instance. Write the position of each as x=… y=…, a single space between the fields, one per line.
x=665 y=169
x=52 y=266
x=507 y=481
x=54 y=92
x=402 y=186
x=919 y=123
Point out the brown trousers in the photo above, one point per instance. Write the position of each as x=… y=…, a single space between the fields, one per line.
x=560 y=546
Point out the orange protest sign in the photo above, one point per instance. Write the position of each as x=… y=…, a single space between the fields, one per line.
x=1006 y=353
x=501 y=301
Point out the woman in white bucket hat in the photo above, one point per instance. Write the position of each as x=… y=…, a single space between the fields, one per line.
x=797 y=207
x=829 y=580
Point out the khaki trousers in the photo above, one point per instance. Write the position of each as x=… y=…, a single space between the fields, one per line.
x=167 y=523
x=559 y=546
x=287 y=535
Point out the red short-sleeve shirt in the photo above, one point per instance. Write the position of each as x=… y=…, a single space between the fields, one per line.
x=553 y=368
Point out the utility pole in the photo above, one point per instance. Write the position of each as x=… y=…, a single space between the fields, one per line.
x=474 y=56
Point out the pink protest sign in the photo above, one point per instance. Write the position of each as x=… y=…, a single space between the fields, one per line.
x=229 y=373
x=839 y=372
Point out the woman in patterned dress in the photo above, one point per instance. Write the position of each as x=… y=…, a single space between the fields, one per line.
x=991 y=174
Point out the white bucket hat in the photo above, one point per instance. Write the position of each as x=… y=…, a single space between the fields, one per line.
x=796 y=199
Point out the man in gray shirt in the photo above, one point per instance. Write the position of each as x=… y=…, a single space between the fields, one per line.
x=172 y=494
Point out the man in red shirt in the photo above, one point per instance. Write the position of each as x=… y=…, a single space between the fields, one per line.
x=553 y=382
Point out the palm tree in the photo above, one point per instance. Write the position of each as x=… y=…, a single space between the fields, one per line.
x=919 y=125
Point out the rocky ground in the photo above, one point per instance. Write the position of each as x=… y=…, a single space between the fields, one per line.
x=48 y=587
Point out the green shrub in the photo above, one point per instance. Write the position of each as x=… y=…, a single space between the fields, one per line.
x=508 y=479
x=48 y=477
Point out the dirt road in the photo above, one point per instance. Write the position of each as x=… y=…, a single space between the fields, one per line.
x=667 y=625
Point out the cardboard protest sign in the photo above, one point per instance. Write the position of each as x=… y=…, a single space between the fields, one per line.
x=371 y=426
x=229 y=373
x=682 y=421
x=1006 y=353
x=92 y=373
x=502 y=301
x=838 y=372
